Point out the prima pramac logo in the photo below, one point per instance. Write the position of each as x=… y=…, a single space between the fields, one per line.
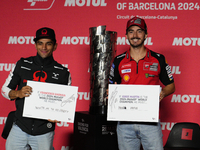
x=39 y=4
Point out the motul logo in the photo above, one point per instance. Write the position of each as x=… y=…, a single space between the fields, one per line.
x=80 y=40
x=3 y=120
x=167 y=125
x=83 y=95
x=185 y=99
x=186 y=41
x=81 y=3
x=21 y=40
x=6 y=66
x=124 y=41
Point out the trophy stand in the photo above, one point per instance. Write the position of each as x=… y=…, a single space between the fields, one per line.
x=92 y=131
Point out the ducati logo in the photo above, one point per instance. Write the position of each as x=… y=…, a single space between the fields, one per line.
x=38 y=77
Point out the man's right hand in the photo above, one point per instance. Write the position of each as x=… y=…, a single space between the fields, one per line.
x=108 y=92
x=24 y=92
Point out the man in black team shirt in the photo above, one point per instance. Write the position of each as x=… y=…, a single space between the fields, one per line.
x=29 y=132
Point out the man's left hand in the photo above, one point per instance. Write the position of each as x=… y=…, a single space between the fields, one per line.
x=53 y=121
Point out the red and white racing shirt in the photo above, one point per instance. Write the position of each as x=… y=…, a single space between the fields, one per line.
x=147 y=71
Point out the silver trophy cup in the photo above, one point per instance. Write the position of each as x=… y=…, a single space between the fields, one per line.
x=102 y=52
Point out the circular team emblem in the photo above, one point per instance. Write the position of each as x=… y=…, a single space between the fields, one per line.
x=44 y=32
x=36 y=76
x=126 y=78
x=49 y=125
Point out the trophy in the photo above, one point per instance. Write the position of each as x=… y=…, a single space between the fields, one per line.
x=102 y=52
x=92 y=131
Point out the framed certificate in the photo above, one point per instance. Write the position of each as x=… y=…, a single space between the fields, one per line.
x=133 y=103
x=51 y=101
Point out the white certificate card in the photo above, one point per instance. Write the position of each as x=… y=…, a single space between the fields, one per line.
x=51 y=101
x=133 y=103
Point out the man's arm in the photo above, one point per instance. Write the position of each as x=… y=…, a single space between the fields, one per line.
x=24 y=92
x=167 y=90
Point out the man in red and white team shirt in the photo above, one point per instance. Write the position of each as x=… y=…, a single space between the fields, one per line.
x=140 y=65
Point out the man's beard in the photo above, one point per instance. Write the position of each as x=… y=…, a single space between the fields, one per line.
x=138 y=45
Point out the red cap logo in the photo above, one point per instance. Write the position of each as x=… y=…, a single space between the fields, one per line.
x=44 y=32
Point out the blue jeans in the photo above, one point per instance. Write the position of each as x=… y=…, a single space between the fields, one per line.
x=19 y=140
x=132 y=135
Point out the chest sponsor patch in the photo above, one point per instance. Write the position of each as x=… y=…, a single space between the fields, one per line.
x=55 y=75
x=154 y=67
x=126 y=78
x=126 y=65
x=150 y=66
x=126 y=71
x=146 y=66
x=149 y=75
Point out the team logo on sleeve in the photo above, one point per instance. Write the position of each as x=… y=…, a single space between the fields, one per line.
x=169 y=73
x=112 y=69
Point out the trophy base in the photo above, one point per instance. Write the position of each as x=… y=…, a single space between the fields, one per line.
x=94 y=132
x=98 y=110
